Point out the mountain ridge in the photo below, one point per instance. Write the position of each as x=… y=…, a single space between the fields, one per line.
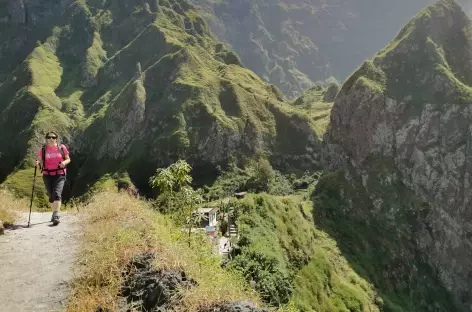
x=295 y=44
x=399 y=134
x=87 y=81
x=135 y=85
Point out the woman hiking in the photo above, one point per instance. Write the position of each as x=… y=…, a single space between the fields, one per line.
x=53 y=159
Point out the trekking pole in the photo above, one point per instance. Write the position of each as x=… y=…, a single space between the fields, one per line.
x=32 y=194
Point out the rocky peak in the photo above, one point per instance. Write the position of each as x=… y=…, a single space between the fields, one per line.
x=428 y=63
x=404 y=120
x=439 y=35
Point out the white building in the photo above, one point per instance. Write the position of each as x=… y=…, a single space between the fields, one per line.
x=209 y=217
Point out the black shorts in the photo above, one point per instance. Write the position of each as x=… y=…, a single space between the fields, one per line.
x=54 y=185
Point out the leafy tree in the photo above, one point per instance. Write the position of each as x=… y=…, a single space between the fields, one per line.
x=182 y=201
x=262 y=174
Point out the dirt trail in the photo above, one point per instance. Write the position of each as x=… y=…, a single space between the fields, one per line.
x=35 y=263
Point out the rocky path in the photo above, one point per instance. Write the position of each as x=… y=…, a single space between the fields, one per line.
x=35 y=263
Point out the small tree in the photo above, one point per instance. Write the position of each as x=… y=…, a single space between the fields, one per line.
x=181 y=199
x=262 y=173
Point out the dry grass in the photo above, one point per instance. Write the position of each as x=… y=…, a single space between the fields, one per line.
x=10 y=207
x=117 y=227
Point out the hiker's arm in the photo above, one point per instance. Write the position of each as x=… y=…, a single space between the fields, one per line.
x=38 y=160
x=65 y=162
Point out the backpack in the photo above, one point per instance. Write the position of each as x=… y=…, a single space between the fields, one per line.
x=43 y=151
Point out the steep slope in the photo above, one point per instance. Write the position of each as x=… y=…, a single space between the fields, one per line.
x=143 y=262
x=135 y=85
x=400 y=137
x=295 y=43
x=317 y=103
x=291 y=262
x=23 y=23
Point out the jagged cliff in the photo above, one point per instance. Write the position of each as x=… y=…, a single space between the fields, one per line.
x=400 y=137
x=136 y=85
x=295 y=43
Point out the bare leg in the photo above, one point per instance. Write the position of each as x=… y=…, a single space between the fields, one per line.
x=56 y=206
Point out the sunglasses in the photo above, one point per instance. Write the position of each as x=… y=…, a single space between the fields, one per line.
x=51 y=137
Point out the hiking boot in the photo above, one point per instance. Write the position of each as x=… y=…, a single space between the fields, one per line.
x=55 y=218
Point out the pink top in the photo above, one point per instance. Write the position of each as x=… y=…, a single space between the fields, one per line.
x=53 y=158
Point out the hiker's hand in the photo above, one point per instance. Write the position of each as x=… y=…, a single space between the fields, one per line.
x=61 y=164
x=37 y=163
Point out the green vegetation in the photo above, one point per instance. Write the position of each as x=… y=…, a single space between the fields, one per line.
x=376 y=238
x=317 y=102
x=145 y=83
x=274 y=242
x=374 y=218
x=20 y=183
x=135 y=86
x=177 y=196
x=10 y=208
x=290 y=262
x=409 y=68
x=256 y=176
x=96 y=57
x=379 y=222
x=132 y=228
x=368 y=76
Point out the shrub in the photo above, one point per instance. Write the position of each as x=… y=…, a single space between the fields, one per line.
x=255 y=177
x=273 y=284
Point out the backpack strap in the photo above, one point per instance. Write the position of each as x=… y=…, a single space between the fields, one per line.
x=61 y=150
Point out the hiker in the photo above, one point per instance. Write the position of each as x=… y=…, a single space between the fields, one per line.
x=53 y=159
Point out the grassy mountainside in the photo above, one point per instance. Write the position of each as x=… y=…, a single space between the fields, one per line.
x=23 y=23
x=278 y=250
x=399 y=145
x=136 y=85
x=317 y=103
x=295 y=43
x=291 y=262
